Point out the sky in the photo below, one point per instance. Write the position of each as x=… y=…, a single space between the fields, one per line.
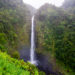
x=39 y=3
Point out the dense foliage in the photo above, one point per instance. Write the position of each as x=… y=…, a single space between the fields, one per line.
x=56 y=34
x=10 y=66
x=15 y=19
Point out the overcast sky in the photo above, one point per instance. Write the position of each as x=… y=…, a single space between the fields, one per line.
x=38 y=3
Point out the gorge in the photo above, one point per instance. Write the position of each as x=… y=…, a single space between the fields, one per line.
x=39 y=41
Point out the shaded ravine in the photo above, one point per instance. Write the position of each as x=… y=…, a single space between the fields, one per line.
x=43 y=63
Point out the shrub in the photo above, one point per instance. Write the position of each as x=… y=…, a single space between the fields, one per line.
x=16 y=54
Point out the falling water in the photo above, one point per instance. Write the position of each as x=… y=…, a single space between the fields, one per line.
x=32 y=50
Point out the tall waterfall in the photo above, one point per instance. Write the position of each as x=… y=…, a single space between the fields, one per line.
x=32 y=49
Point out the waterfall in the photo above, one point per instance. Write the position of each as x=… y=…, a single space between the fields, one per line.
x=32 y=49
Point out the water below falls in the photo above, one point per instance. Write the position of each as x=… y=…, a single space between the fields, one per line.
x=32 y=49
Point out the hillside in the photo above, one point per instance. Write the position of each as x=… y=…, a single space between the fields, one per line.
x=10 y=66
x=15 y=21
x=55 y=29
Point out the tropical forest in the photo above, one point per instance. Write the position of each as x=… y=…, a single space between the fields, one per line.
x=37 y=41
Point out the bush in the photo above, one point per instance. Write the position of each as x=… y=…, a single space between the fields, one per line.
x=3 y=40
x=11 y=66
x=16 y=54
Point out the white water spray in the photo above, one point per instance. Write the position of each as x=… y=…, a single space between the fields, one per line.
x=32 y=50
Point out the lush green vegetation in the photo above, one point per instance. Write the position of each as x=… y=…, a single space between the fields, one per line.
x=14 y=32
x=56 y=35
x=10 y=66
x=55 y=31
x=14 y=25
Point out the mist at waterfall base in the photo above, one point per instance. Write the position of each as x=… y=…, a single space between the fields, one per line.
x=28 y=54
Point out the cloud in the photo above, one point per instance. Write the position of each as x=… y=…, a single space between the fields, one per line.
x=38 y=3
